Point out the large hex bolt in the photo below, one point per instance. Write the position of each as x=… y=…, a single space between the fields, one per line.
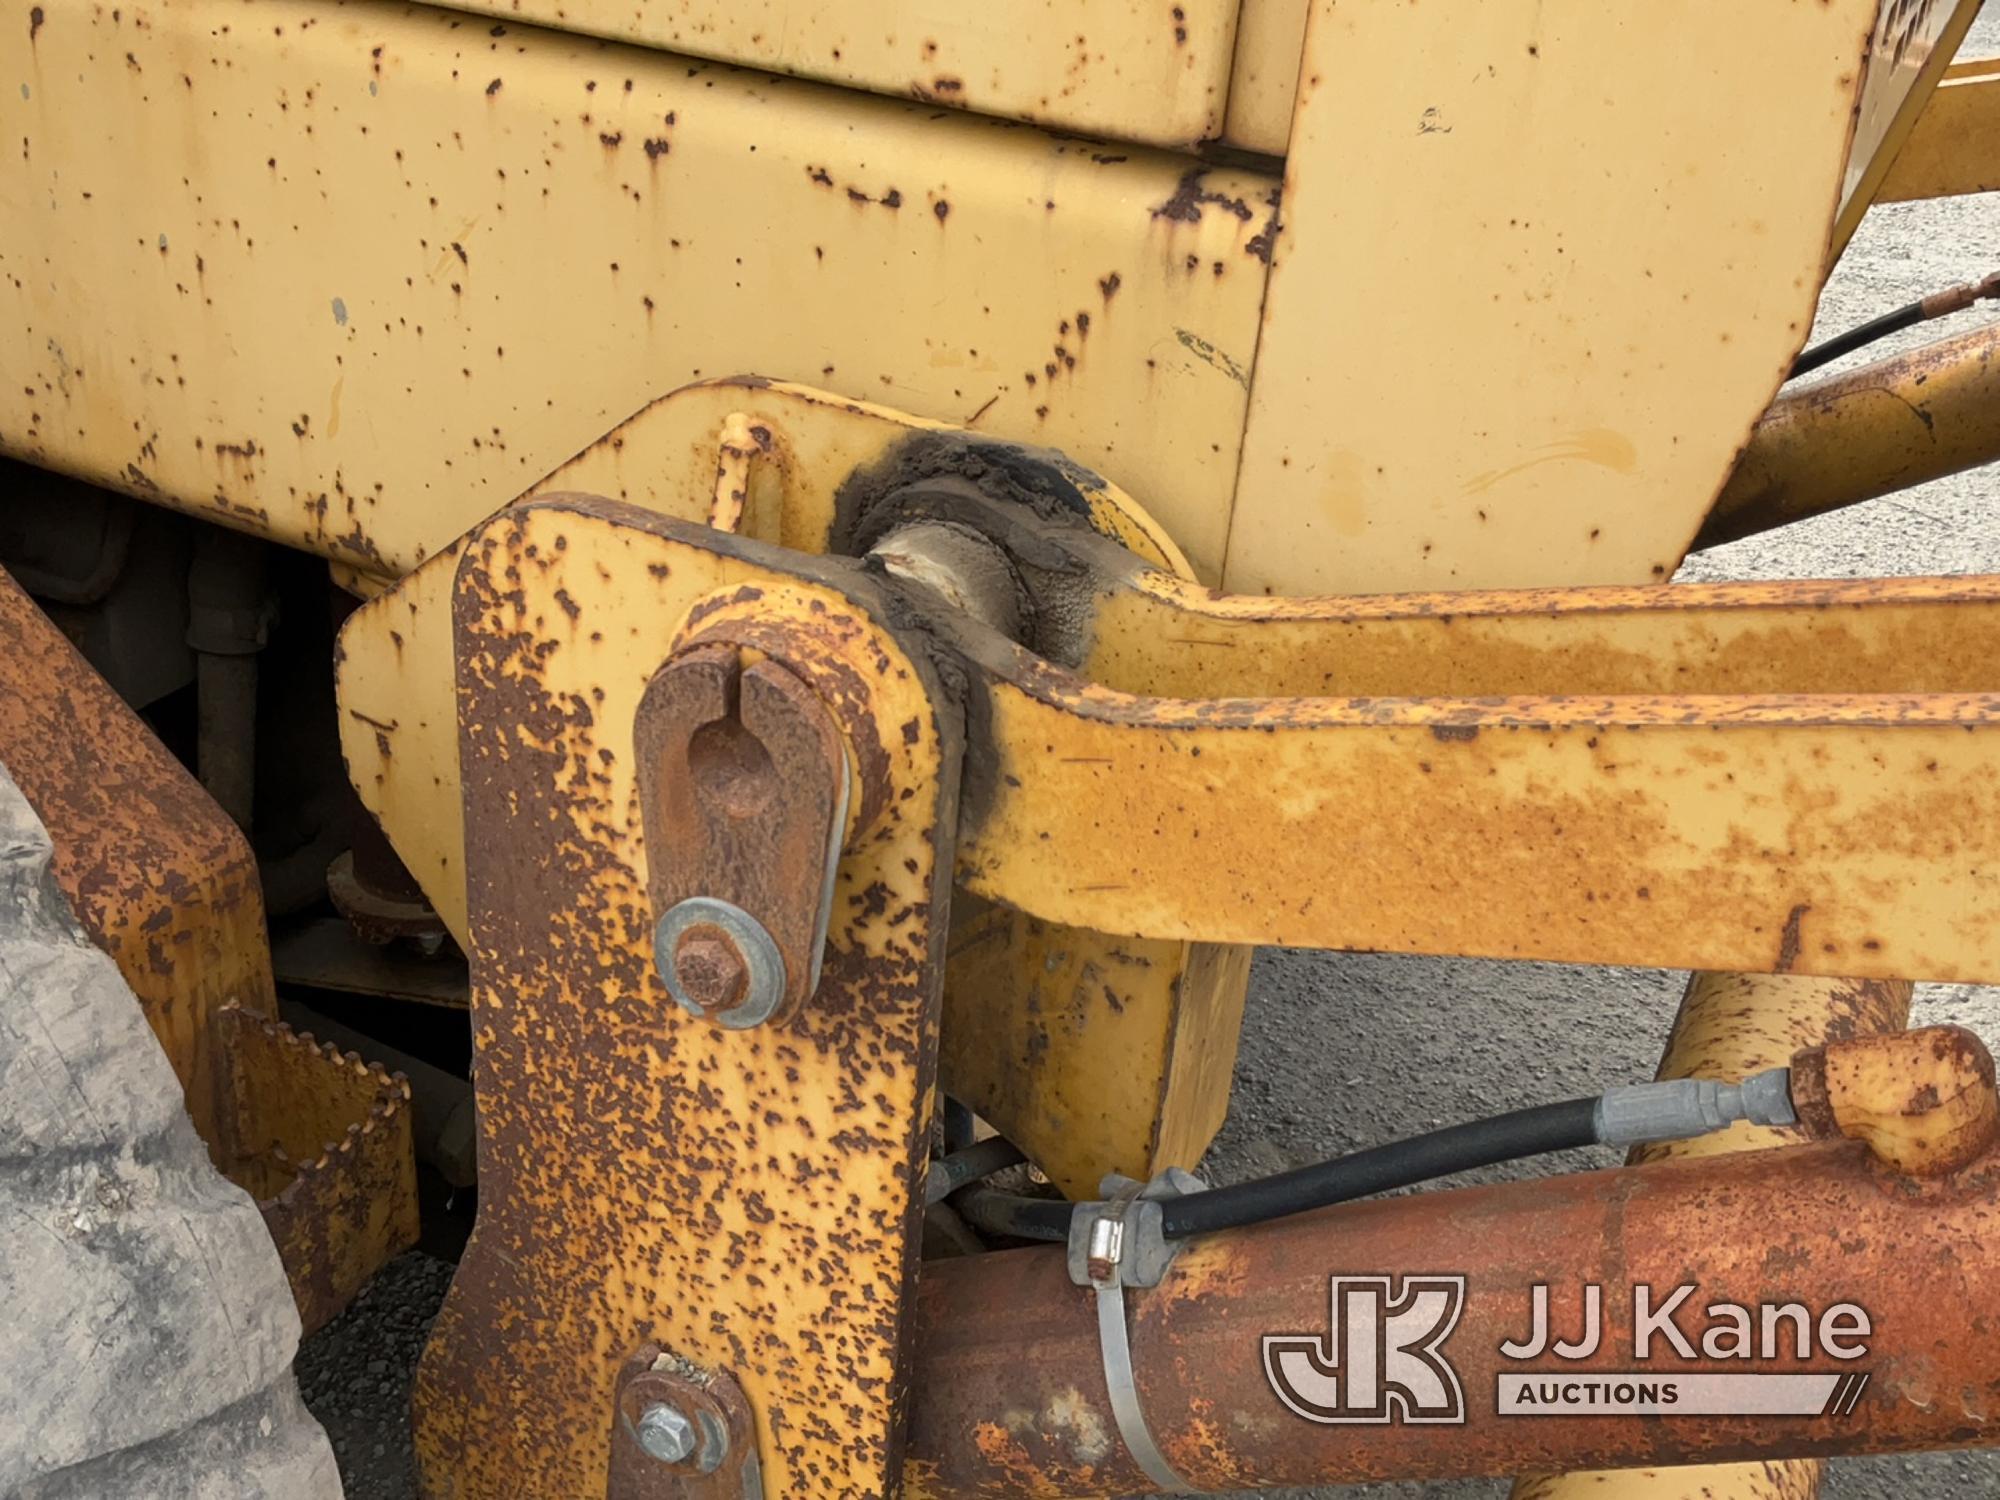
x=718 y=962
x=666 y=1433
x=711 y=968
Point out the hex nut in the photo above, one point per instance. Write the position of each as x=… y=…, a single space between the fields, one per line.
x=665 y=1433
x=711 y=968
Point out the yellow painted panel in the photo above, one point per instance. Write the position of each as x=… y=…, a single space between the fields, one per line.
x=1135 y=70
x=1908 y=52
x=1264 y=79
x=1954 y=147
x=1543 y=266
x=1909 y=35
x=356 y=275
x=1091 y=1053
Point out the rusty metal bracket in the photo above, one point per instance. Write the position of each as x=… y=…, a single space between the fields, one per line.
x=324 y=1142
x=166 y=884
x=749 y=1199
x=744 y=791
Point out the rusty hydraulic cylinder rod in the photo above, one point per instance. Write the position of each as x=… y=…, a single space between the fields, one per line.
x=1010 y=1397
x=1891 y=424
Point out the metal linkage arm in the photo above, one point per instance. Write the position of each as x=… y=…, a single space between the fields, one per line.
x=1762 y=777
x=1752 y=777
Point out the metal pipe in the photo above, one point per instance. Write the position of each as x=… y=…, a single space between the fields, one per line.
x=228 y=623
x=1891 y=424
x=1730 y=1026
x=1009 y=1394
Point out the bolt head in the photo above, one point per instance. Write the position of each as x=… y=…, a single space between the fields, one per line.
x=665 y=1433
x=711 y=969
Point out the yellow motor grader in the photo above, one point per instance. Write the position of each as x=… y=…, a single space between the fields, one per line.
x=789 y=589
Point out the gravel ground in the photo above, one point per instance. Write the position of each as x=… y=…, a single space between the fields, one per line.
x=1458 y=1038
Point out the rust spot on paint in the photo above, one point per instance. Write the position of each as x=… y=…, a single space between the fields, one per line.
x=1265 y=240
x=1190 y=198
x=1788 y=940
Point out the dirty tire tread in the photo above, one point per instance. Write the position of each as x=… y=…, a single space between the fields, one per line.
x=146 y=1328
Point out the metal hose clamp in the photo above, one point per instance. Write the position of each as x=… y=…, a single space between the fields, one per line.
x=1113 y=1244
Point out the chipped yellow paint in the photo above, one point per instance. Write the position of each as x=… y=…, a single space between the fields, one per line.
x=355 y=275
x=1159 y=636
x=745 y=1200
x=398 y=721
x=1536 y=281
x=1742 y=776
x=1129 y=70
x=1799 y=834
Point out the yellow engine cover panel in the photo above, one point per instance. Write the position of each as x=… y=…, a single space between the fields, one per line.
x=1544 y=264
x=1155 y=71
x=1911 y=40
x=356 y=275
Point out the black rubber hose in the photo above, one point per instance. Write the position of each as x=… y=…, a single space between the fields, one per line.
x=1361 y=1174
x=1937 y=305
x=1012 y=1216
x=1858 y=338
x=950 y=1173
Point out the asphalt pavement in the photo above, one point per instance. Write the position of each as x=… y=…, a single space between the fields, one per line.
x=1341 y=1051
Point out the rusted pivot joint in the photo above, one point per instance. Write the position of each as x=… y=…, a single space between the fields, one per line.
x=745 y=794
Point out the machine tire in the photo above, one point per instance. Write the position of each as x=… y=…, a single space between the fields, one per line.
x=146 y=1328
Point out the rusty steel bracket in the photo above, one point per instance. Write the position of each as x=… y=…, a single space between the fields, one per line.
x=322 y=1139
x=681 y=1433
x=751 y=1199
x=744 y=793
x=166 y=884
x=1032 y=1006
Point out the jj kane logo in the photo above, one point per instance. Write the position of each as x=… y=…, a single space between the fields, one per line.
x=1381 y=1361
x=1382 y=1357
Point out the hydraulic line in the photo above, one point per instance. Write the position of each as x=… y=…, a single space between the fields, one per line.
x=982 y=1159
x=1936 y=305
x=1673 y=1110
